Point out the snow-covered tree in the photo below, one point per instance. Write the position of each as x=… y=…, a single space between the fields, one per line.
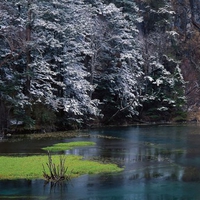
x=12 y=60
x=60 y=79
x=45 y=48
x=102 y=43
x=79 y=59
x=164 y=85
x=118 y=76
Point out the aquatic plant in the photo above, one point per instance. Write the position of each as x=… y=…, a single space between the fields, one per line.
x=30 y=167
x=68 y=145
x=56 y=173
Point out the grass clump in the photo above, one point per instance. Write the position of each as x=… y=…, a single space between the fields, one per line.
x=57 y=173
x=31 y=167
x=68 y=145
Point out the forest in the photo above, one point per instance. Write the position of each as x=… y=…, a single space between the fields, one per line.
x=70 y=64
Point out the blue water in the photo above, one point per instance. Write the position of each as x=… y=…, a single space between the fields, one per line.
x=103 y=188
x=160 y=163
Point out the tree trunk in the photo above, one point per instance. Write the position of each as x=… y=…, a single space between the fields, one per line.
x=28 y=51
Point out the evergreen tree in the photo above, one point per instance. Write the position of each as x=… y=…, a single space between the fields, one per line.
x=164 y=85
x=118 y=82
x=80 y=59
x=13 y=62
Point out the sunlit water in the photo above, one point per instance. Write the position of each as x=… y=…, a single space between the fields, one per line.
x=160 y=163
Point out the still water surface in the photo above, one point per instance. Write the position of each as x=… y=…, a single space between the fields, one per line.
x=160 y=162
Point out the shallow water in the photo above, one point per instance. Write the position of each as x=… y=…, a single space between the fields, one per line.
x=160 y=163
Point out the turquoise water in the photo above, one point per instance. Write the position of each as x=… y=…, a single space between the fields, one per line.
x=160 y=162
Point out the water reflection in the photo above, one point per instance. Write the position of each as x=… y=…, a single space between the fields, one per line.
x=160 y=162
x=103 y=187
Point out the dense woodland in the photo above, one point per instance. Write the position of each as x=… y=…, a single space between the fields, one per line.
x=80 y=63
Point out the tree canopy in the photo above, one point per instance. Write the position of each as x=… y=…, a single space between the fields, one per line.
x=69 y=64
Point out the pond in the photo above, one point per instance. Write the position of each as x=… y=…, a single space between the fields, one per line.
x=161 y=162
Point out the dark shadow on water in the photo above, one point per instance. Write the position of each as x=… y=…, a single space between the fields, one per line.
x=33 y=189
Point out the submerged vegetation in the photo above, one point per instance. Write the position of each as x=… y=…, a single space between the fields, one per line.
x=64 y=134
x=69 y=145
x=57 y=167
x=163 y=149
x=31 y=167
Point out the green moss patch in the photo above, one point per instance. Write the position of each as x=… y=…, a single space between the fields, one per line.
x=31 y=167
x=68 y=145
